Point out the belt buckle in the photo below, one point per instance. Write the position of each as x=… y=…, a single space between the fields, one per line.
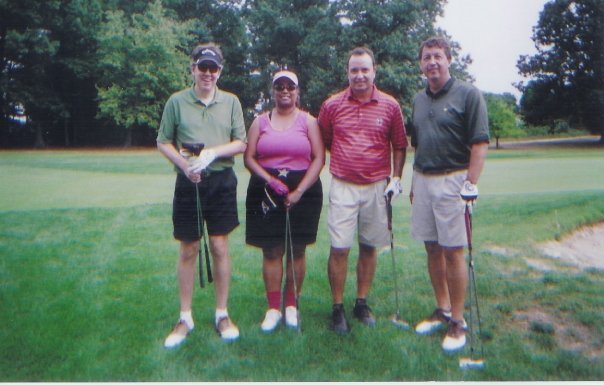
x=282 y=173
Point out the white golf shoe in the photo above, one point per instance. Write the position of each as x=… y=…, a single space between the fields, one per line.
x=227 y=329
x=291 y=317
x=271 y=320
x=456 y=335
x=438 y=318
x=178 y=334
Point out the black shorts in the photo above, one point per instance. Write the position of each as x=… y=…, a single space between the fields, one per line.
x=268 y=230
x=218 y=198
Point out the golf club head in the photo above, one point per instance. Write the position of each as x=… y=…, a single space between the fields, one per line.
x=399 y=322
x=470 y=363
x=191 y=149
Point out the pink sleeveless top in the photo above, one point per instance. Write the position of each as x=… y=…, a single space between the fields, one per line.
x=284 y=149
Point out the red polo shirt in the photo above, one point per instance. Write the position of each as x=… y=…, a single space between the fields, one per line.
x=360 y=135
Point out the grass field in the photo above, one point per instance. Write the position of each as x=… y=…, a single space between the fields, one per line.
x=88 y=281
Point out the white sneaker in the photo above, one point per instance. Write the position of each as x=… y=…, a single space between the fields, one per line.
x=227 y=329
x=291 y=317
x=456 y=335
x=434 y=322
x=176 y=336
x=271 y=320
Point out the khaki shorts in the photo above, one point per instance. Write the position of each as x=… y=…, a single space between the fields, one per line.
x=355 y=207
x=437 y=212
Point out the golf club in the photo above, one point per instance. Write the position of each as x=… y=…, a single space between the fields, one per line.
x=472 y=362
x=188 y=150
x=289 y=249
x=396 y=318
x=201 y=233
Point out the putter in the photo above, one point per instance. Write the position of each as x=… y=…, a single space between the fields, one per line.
x=188 y=150
x=396 y=317
x=289 y=249
x=475 y=361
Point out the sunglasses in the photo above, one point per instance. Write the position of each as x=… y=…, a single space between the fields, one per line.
x=282 y=87
x=208 y=68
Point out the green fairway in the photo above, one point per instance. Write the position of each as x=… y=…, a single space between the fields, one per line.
x=88 y=284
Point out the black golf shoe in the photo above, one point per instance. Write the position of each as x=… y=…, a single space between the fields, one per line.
x=363 y=313
x=339 y=324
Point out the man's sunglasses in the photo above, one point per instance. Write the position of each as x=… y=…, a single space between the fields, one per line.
x=208 y=68
x=281 y=87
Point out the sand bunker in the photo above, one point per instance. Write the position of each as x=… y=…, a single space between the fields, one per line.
x=584 y=247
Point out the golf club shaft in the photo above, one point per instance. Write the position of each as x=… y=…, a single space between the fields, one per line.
x=473 y=300
x=290 y=250
x=202 y=236
x=208 y=265
x=201 y=280
x=394 y=275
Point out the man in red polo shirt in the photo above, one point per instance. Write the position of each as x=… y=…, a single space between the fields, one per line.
x=363 y=129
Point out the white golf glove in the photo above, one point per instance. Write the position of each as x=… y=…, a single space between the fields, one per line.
x=469 y=191
x=394 y=187
x=203 y=160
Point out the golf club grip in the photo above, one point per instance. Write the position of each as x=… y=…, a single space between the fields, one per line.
x=389 y=210
x=468 y=220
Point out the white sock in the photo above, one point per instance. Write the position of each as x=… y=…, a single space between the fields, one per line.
x=220 y=313
x=187 y=318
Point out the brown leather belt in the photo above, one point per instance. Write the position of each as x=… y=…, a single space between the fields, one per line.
x=440 y=172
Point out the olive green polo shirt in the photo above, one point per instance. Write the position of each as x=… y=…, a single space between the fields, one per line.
x=445 y=125
x=186 y=119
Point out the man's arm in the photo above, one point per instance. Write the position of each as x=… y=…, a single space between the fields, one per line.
x=325 y=126
x=478 y=155
x=398 y=162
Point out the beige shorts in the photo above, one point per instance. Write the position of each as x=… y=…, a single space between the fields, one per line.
x=355 y=207
x=437 y=211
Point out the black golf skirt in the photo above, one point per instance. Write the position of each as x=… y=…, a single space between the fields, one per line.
x=265 y=227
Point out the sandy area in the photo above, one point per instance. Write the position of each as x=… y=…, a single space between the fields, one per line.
x=583 y=248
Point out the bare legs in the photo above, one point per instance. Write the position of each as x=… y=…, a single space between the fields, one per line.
x=449 y=277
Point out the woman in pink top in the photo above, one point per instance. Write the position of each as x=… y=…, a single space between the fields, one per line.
x=285 y=155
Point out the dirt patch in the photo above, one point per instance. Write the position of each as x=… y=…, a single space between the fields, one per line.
x=568 y=334
x=583 y=248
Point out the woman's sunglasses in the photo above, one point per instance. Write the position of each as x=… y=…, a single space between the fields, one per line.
x=282 y=87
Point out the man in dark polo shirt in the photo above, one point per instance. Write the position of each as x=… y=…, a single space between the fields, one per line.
x=450 y=134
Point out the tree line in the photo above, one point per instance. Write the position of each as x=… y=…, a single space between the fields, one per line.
x=98 y=72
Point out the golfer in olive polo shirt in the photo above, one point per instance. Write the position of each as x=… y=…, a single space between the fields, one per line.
x=203 y=114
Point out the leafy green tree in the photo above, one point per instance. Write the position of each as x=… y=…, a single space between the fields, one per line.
x=394 y=30
x=142 y=58
x=47 y=55
x=220 y=22
x=300 y=35
x=314 y=36
x=568 y=68
x=502 y=119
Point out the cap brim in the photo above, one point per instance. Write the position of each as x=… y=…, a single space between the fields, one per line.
x=207 y=59
x=287 y=75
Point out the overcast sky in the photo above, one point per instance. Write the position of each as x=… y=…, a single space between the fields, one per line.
x=495 y=33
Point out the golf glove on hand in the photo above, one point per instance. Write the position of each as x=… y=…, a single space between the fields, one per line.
x=394 y=187
x=469 y=191
x=203 y=160
x=278 y=187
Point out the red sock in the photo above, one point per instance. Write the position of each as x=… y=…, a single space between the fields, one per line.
x=274 y=299
x=290 y=298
